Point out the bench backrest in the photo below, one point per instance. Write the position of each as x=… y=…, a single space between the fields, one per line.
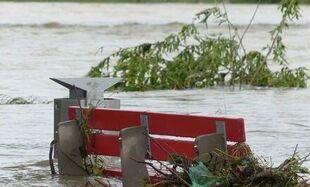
x=173 y=125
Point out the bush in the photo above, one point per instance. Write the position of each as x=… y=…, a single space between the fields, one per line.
x=192 y=59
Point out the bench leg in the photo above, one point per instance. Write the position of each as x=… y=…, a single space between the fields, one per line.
x=69 y=141
x=134 y=144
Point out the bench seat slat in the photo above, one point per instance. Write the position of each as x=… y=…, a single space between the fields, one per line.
x=109 y=145
x=193 y=126
x=104 y=145
x=163 y=124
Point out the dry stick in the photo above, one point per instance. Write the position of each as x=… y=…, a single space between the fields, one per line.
x=169 y=169
x=88 y=183
x=233 y=26
x=286 y=163
x=99 y=50
x=289 y=161
x=102 y=183
x=161 y=147
x=230 y=37
x=305 y=159
x=229 y=26
x=250 y=23
x=152 y=166
x=240 y=42
x=175 y=173
x=266 y=57
x=295 y=151
x=163 y=182
x=245 y=31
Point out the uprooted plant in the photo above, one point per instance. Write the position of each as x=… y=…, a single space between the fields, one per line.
x=193 y=58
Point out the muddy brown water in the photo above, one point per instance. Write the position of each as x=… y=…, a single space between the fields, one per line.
x=42 y=40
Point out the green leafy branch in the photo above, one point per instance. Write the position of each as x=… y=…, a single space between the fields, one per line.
x=192 y=58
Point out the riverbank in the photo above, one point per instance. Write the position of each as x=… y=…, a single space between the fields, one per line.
x=156 y=1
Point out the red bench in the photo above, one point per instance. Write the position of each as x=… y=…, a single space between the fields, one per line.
x=175 y=133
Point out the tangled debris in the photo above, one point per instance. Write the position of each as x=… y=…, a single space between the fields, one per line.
x=239 y=167
x=243 y=171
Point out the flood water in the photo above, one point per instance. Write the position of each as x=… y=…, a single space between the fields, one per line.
x=43 y=40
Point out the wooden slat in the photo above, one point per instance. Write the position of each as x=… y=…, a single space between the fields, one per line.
x=164 y=124
x=193 y=126
x=108 y=119
x=161 y=148
x=109 y=145
x=103 y=145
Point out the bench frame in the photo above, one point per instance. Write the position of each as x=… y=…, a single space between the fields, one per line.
x=185 y=135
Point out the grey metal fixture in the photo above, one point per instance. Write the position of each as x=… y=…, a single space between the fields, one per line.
x=206 y=144
x=90 y=88
x=82 y=92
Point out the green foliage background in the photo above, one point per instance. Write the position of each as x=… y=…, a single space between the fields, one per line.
x=198 y=59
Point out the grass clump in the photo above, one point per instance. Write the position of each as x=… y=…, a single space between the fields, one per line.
x=196 y=59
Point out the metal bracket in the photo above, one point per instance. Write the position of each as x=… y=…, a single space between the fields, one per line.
x=221 y=129
x=208 y=143
x=91 y=89
x=78 y=114
x=144 y=121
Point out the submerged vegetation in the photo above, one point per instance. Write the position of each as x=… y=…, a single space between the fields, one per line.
x=225 y=170
x=7 y=100
x=196 y=59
